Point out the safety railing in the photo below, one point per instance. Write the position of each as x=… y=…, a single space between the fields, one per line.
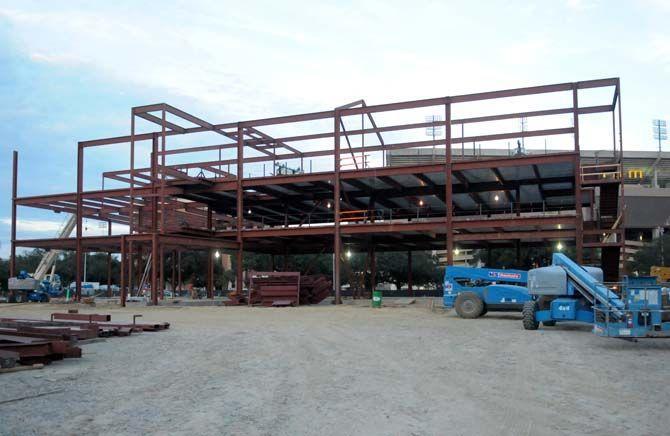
x=600 y=173
x=414 y=214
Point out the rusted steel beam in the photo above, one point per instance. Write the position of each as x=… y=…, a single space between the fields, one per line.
x=449 y=188
x=392 y=128
x=239 y=284
x=514 y=222
x=79 y=255
x=501 y=181
x=181 y=175
x=267 y=137
x=201 y=148
x=90 y=317
x=284 y=179
x=404 y=145
x=204 y=126
x=154 y=119
x=12 y=237
x=337 y=238
x=128 y=180
x=516 y=161
x=498 y=236
x=123 y=293
x=600 y=244
x=466 y=186
x=579 y=243
x=154 y=269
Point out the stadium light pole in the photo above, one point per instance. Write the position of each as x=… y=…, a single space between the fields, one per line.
x=660 y=131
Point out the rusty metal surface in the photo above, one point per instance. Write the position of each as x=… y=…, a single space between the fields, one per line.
x=215 y=204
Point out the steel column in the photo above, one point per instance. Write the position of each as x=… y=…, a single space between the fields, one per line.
x=373 y=269
x=179 y=270
x=210 y=274
x=154 y=267
x=154 y=176
x=131 y=212
x=80 y=221
x=109 y=263
x=579 y=221
x=12 y=253
x=161 y=269
x=622 y=223
x=239 y=285
x=210 y=225
x=410 y=282
x=131 y=270
x=162 y=186
x=173 y=272
x=336 y=210
x=123 y=292
x=449 y=185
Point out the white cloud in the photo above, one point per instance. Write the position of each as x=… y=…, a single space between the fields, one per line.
x=244 y=62
x=581 y=5
x=34 y=226
x=91 y=227
x=55 y=59
x=248 y=60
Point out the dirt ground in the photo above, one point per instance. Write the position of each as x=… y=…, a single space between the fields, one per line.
x=345 y=370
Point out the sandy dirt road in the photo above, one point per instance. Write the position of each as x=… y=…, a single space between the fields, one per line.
x=342 y=371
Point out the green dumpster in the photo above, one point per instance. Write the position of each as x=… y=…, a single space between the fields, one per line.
x=376 y=298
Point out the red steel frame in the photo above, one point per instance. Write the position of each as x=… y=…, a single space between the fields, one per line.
x=161 y=196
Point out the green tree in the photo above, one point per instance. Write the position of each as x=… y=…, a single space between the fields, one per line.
x=655 y=253
x=529 y=257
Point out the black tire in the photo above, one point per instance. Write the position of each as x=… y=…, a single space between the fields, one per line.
x=529 y=321
x=485 y=311
x=548 y=323
x=469 y=305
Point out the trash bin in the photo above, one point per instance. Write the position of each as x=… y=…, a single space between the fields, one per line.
x=376 y=298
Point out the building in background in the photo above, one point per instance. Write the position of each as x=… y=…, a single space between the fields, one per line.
x=646 y=183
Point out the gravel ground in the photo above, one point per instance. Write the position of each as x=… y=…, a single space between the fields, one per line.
x=342 y=370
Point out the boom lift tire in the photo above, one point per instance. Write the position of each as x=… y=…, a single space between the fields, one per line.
x=529 y=321
x=469 y=305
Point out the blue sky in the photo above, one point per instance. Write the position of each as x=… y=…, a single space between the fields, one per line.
x=71 y=70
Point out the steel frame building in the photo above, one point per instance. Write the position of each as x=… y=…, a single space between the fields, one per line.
x=354 y=202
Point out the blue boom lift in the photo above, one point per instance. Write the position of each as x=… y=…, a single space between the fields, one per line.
x=474 y=291
x=566 y=291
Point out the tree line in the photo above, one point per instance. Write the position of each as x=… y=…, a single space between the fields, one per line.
x=392 y=267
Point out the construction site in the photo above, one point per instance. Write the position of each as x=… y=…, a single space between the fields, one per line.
x=538 y=350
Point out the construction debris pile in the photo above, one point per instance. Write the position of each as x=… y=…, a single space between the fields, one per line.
x=283 y=289
x=36 y=341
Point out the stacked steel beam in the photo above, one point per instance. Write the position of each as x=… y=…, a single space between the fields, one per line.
x=276 y=288
x=269 y=288
x=315 y=288
x=29 y=341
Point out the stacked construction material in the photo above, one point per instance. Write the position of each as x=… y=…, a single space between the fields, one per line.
x=315 y=288
x=28 y=350
x=276 y=288
x=31 y=341
x=237 y=299
x=283 y=289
